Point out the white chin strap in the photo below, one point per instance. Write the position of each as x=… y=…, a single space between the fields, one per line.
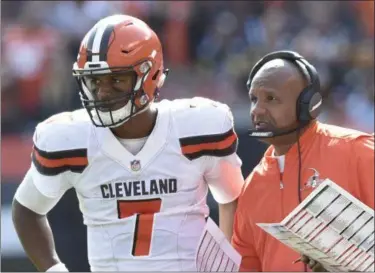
x=122 y=114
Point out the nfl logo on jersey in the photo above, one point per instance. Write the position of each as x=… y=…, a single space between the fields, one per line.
x=135 y=165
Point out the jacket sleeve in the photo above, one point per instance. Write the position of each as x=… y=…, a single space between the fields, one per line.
x=243 y=241
x=363 y=169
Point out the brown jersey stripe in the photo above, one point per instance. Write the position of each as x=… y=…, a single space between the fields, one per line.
x=61 y=154
x=57 y=164
x=54 y=163
x=56 y=170
x=186 y=141
x=216 y=152
x=219 y=145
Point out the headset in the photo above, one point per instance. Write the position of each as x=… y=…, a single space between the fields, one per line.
x=309 y=101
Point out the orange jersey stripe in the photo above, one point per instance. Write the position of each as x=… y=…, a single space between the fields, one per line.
x=54 y=163
x=210 y=146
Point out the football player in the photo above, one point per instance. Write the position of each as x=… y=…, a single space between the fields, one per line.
x=141 y=169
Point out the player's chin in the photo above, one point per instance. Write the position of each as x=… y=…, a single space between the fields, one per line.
x=111 y=108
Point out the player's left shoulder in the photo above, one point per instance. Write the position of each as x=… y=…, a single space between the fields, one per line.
x=63 y=131
x=204 y=127
x=60 y=143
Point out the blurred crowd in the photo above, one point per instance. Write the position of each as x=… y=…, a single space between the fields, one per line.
x=210 y=47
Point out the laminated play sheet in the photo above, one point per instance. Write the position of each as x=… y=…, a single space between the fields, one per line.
x=215 y=253
x=332 y=227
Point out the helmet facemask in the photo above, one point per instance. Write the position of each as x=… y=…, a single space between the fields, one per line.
x=116 y=110
x=118 y=44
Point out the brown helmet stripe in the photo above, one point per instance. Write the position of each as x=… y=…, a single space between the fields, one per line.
x=101 y=41
x=90 y=44
x=104 y=43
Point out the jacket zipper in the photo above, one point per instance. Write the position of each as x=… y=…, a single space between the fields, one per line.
x=281 y=181
x=282 y=194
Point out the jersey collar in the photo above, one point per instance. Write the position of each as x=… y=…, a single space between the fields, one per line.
x=112 y=147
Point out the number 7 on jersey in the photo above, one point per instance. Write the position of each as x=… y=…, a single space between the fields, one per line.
x=144 y=210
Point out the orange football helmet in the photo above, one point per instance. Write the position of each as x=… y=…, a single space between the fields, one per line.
x=118 y=44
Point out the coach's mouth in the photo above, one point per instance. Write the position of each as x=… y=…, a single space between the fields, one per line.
x=261 y=125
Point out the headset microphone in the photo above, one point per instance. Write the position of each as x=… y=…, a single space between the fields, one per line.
x=269 y=134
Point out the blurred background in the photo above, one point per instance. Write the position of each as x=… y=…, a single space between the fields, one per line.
x=210 y=48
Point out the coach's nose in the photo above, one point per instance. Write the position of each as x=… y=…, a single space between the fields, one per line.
x=257 y=109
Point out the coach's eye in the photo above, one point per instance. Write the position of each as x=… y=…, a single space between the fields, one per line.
x=271 y=98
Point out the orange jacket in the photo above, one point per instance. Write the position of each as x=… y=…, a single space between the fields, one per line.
x=343 y=155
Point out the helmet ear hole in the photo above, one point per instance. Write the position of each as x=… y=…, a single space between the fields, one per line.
x=155 y=75
x=144 y=99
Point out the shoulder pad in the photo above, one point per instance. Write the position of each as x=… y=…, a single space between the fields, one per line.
x=60 y=143
x=199 y=116
x=205 y=127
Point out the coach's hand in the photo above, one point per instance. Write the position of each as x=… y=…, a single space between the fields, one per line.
x=314 y=265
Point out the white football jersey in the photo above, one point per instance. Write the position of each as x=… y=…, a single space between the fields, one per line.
x=144 y=211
